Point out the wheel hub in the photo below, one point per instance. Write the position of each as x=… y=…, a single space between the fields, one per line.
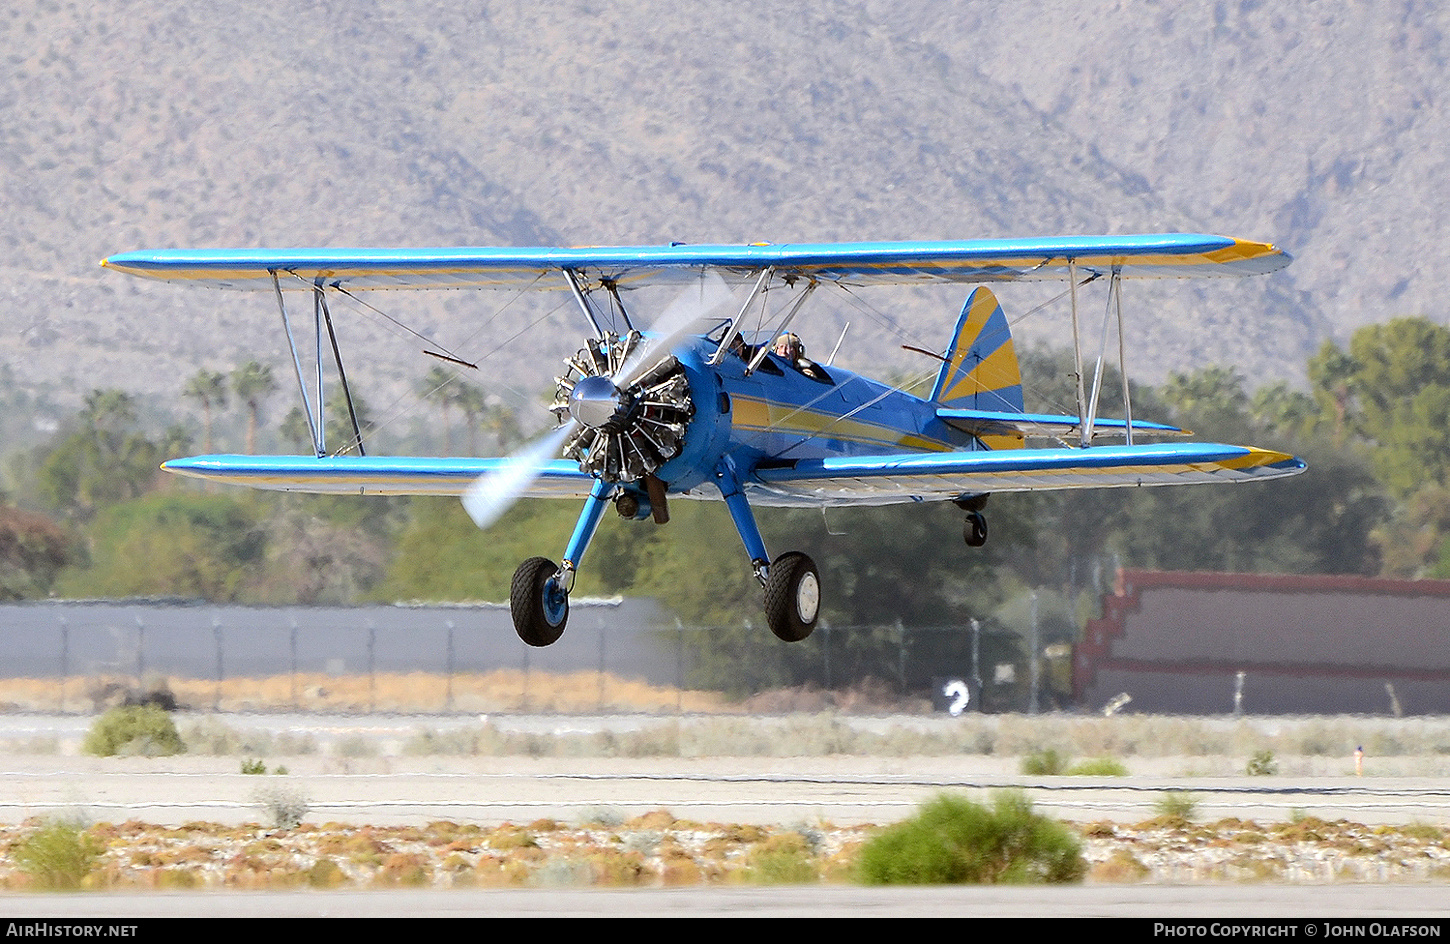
x=808 y=597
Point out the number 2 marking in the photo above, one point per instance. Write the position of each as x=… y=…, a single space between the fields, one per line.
x=958 y=692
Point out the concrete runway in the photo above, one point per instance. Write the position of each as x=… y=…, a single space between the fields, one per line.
x=1385 y=903
x=841 y=790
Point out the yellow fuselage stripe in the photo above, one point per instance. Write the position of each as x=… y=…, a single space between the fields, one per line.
x=784 y=419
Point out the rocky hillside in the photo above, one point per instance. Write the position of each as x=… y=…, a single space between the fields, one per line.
x=427 y=123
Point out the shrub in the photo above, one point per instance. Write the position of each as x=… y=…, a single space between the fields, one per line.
x=283 y=806
x=783 y=859
x=58 y=855
x=146 y=730
x=1177 y=805
x=1049 y=763
x=252 y=767
x=1099 y=767
x=1262 y=764
x=953 y=840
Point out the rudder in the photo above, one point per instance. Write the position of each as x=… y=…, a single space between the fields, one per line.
x=980 y=371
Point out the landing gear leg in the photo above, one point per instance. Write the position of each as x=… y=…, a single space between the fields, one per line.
x=539 y=593
x=792 y=584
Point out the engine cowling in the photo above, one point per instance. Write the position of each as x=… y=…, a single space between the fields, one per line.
x=625 y=432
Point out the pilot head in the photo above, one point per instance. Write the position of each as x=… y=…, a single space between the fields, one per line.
x=789 y=347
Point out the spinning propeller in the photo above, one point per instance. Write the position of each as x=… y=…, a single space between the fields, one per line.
x=623 y=404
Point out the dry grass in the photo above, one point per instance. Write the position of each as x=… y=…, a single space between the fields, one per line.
x=762 y=726
x=501 y=690
x=656 y=849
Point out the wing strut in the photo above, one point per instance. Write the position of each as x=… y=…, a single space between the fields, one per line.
x=1114 y=303
x=297 y=366
x=572 y=278
x=789 y=317
x=1123 y=357
x=321 y=426
x=734 y=328
x=1087 y=410
x=357 y=440
x=612 y=287
x=1085 y=437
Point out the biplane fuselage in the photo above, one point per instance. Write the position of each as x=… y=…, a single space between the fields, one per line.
x=779 y=414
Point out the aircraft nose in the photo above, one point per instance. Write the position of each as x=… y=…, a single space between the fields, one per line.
x=595 y=401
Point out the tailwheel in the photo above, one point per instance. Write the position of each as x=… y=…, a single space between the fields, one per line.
x=792 y=596
x=538 y=603
x=974 y=531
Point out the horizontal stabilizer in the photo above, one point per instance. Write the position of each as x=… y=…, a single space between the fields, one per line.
x=981 y=423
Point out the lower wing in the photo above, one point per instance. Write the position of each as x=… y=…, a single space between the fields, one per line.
x=882 y=480
x=852 y=480
x=374 y=475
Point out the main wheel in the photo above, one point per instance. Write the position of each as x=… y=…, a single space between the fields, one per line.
x=539 y=606
x=974 y=532
x=792 y=596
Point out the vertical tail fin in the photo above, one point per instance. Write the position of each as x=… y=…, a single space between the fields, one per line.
x=980 y=371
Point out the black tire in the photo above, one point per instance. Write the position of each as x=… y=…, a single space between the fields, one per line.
x=539 y=608
x=792 y=596
x=974 y=532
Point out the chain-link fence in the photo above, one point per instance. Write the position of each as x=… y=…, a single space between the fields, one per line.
x=616 y=655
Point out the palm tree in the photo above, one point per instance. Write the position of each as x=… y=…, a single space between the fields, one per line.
x=253 y=382
x=108 y=413
x=434 y=386
x=470 y=400
x=504 y=422
x=210 y=390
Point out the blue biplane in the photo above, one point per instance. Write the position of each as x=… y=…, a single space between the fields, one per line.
x=702 y=407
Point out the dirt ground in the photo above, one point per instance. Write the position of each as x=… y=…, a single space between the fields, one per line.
x=527 y=784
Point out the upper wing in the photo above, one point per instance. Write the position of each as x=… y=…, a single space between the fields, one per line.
x=880 y=480
x=374 y=475
x=1167 y=255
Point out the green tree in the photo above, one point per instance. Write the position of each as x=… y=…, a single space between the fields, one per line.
x=1284 y=410
x=33 y=549
x=338 y=433
x=193 y=545
x=341 y=437
x=437 y=387
x=1332 y=375
x=253 y=383
x=1318 y=522
x=99 y=458
x=470 y=400
x=296 y=431
x=1390 y=396
x=209 y=388
x=503 y=422
x=1402 y=399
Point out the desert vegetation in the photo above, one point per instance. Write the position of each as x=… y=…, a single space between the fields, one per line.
x=952 y=840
